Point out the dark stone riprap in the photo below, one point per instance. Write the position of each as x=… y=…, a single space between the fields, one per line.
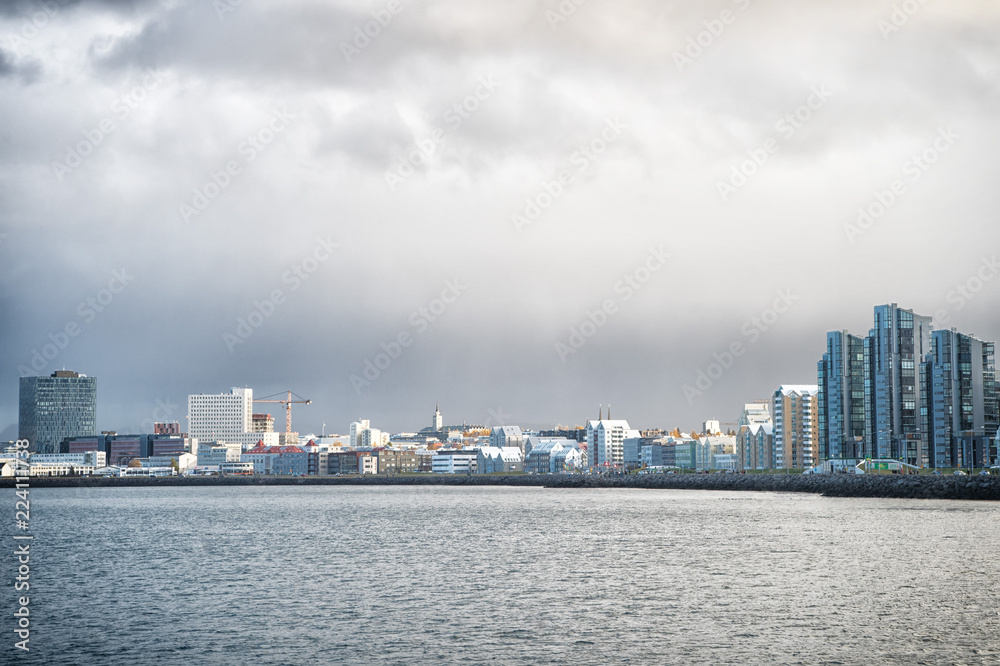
x=843 y=485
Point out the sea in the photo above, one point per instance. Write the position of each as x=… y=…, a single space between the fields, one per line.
x=501 y=575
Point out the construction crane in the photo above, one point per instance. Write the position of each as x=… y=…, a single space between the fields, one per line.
x=287 y=402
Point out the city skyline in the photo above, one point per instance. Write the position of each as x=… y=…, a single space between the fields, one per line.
x=168 y=412
x=524 y=209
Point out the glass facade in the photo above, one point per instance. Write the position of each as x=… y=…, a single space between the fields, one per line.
x=53 y=408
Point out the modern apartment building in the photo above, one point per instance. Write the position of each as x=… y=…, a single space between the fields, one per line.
x=894 y=392
x=754 y=437
x=796 y=426
x=606 y=442
x=841 y=398
x=56 y=407
x=962 y=420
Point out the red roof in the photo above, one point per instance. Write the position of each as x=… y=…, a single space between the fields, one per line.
x=260 y=448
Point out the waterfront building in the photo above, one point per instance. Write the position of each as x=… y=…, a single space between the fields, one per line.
x=684 y=452
x=568 y=459
x=606 y=441
x=285 y=460
x=895 y=397
x=86 y=458
x=754 y=437
x=960 y=376
x=709 y=447
x=395 y=461
x=841 y=399
x=454 y=461
x=181 y=462
x=226 y=417
x=216 y=453
x=497 y=460
x=652 y=455
x=56 y=407
x=632 y=449
x=795 y=426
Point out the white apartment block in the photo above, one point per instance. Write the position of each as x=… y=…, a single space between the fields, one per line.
x=606 y=442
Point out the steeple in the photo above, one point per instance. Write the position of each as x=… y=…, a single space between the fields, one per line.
x=600 y=411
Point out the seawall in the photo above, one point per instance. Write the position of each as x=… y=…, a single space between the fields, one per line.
x=846 y=485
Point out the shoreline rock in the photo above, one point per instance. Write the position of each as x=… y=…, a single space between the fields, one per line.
x=984 y=488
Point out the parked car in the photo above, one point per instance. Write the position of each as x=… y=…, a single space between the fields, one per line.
x=959 y=472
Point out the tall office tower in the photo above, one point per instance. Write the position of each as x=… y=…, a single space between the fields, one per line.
x=894 y=350
x=55 y=407
x=960 y=376
x=226 y=417
x=755 y=437
x=796 y=426
x=841 y=398
x=437 y=424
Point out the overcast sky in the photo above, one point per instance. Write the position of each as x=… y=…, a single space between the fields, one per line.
x=679 y=170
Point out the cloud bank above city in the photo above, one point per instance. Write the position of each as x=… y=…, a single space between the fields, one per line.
x=525 y=209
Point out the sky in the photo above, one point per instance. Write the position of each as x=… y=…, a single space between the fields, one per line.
x=520 y=210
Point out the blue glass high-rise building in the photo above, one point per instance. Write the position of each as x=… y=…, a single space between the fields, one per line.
x=962 y=405
x=841 y=398
x=55 y=407
x=896 y=404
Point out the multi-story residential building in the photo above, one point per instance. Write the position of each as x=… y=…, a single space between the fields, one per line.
x=632 y=449
x=226 y=417
x=502 y=437
x=962 y=419
x=754 y=437
x=841 y=399
x=651 y=455
x=454 y=461
x=796 y=427
x=56 y=407
x=606 y=442
x=497 y=460
x=396 y=461
x=372 y=438
x=894 y=393
x=684 y=453
x=357 y=428
x=709 y=447
x=285 y=460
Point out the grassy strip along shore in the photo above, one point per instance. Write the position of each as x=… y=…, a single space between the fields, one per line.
x=841 y=485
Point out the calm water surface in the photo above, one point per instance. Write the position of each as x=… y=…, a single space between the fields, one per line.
x=404 y=575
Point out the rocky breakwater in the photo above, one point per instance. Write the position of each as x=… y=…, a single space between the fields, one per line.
x=836 y=485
